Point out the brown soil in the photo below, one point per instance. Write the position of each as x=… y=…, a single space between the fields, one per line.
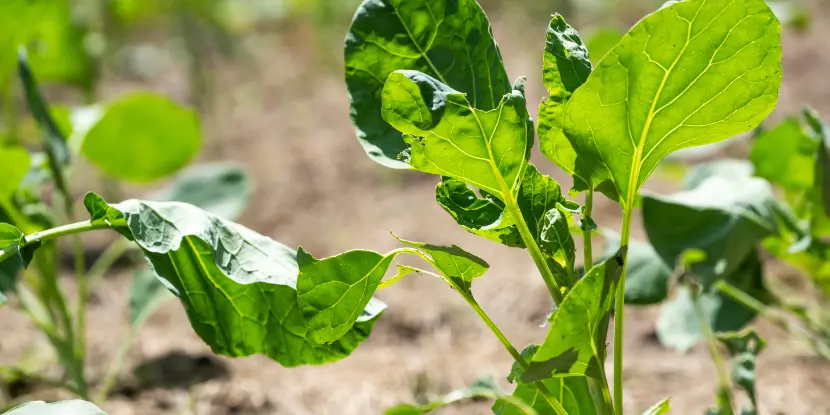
x=287 y=121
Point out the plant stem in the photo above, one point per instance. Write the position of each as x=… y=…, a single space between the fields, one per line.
x=57 y=232
x=724 y=389
x=588 y=256
x=527 y=237
x=619 y=308
x=753 y=304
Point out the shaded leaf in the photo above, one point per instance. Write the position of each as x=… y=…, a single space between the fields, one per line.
x=334 y=292
x=647 y=276
x=142 y=137
x=785 y=155
x=448 y=40
x=575 y=343
x=484 y=216
x=678 y=325
x=449 y=137
x=744 y=348
x=694 y=72
x=460 y=266
x=222 y=189
x=237 y=286
x=63 y=408
x=14 y=164
x=725 y=216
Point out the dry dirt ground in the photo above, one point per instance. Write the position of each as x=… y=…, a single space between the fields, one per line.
x=287 y=122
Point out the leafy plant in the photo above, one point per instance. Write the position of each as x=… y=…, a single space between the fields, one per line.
x=429 y=92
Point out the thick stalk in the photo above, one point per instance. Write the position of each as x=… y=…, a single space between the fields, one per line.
x=588 y=255
x=535 y=252
x=619 y=307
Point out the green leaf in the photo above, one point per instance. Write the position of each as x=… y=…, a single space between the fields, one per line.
x=678 y=325
x=659 y=408
x=695 y=72
x=484 y=216
x=566 y=68
x=142 y=137
x=222 y=189
x=725 y=216
x=647 y=276
x=460 y=266
x=147 y=293
x=601 y=41
x=785 y=155
x=573 y=393
x=448 y=40
x=64 y=407
x=9 y=236
x=482 y=389
x=334 y=292
x=575 y=343
x=53 y=139
x=744 y=348
x=822 y=170
x=14 y=164
x=540 y=201
x=237 y=286
x=450 y=137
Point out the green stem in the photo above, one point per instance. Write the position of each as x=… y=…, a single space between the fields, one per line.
x=588 y=256
x=539 y=259
x=753 y=304
x=724 y=389
x=619 y=308
x=54 y=233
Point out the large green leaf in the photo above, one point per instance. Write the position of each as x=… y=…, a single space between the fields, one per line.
x=575 y=343
x=57 y=408
x=725 y=215
x=785 y=155
x=694 y=72
x=237 y=286
x=679 y=326
x=484 y=216
x=450 y=137
x=222 y=189
x=450 y=40
x=142 y=137
x=566 y=68
x=14 y=164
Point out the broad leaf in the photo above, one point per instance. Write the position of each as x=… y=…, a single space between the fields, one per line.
x=725 y=216
x=142 y=137
x=63 y=408
x=540 y=201
x=482 y=389
x=647 y=276
x=450 y=40
x=460 y=266
x=678 y=325
x=694 y=72
x=484 y=216
x=659 y=408
x=147 y=293
x=566 y=68
x=450 y=137
x=575 y=343
x=743 y=350
x=334 y=292
x=237 y=286
x=785 y=155
x=14 y=164
x=222 y=189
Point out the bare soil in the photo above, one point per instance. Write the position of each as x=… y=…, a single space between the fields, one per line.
x=286 y=119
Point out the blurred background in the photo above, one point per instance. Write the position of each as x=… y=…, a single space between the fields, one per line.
x=266 y=80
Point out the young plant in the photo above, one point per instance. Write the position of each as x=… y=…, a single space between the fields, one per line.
x=429 y=92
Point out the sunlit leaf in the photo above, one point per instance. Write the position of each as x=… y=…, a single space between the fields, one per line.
x=450 y=41
x=601 y=41
x=659 y=408
x=694 y=72
x=237 y=286
x=142 y=137
x=460 y=266
x=785 y=155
